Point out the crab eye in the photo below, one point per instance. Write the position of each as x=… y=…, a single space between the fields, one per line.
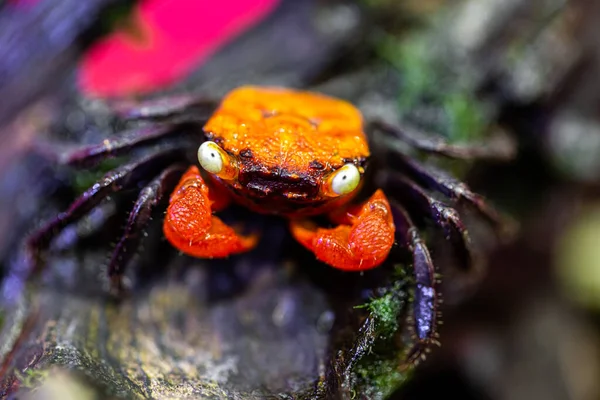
x=214 y=160
x=344 y=180
x=209 y=155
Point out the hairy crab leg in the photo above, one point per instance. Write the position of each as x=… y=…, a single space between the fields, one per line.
x=151 y=196
x=190 y=225
x=126 y=176
x=438 y=180
x=163 y=107
x=426 y=297
x=418 y=202
x=115 y=146
x=501 y=148
x=361 y=241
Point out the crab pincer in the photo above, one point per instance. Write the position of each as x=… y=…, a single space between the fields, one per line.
x=191 y=226
x=361 y=241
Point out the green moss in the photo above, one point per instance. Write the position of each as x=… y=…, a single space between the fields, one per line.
x=382 y=377
x=385 y=310
x=428 y=85
x=32 y=378
x=467 y=121
x=379 y=372
x=410 y=58
x=85 y=178
x=387 y=307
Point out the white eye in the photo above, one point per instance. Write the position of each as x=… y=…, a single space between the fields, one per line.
x=345 y=179
x=209 y=156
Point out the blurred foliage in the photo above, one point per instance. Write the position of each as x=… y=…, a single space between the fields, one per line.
x=427 y=88
x=432 y=94
x=574 y=147
x=578 y=258
x=120 y=16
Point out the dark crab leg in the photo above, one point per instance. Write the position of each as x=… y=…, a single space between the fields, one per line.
x=126 y=176
x=164 y=107
x=118 y=145
x=418 y=202
x=149 y=198
x=438 y=180
x=502 y=147
x=426 y=297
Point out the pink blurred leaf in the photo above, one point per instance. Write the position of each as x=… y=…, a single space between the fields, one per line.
x=166 y=40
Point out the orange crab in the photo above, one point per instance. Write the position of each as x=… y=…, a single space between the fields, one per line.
x=295 y=154
x=278 y=151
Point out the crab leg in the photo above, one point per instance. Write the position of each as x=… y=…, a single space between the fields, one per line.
x=426 y=297
x=162 y=108
x=418 y=202
x=501 y=148
x=149 y=198
x=361 y=241
x=126 y=176
x=440 y=181
x=113 y=147
x=190 y=225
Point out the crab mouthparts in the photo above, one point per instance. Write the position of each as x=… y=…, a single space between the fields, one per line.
x=295 y=188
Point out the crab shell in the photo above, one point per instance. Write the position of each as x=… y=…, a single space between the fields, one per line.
x=285 y=144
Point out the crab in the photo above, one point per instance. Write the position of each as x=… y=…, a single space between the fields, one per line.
x=296 y=154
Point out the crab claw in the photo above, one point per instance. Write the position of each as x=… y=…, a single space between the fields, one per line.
x=191 y=227
x=361 y=241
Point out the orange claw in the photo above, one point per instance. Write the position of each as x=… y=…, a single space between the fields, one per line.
x=190 y=225
x=362 y=240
